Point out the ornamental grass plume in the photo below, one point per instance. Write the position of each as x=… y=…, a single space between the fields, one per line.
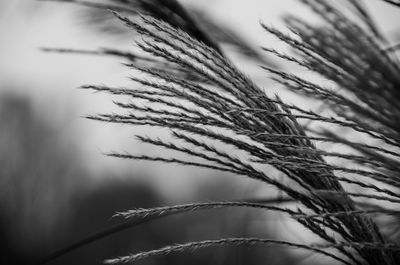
x=209 y=106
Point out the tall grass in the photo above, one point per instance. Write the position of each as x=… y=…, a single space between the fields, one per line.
x=187 y=85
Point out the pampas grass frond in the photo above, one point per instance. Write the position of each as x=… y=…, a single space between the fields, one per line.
x=223 y=242
x=208 y=105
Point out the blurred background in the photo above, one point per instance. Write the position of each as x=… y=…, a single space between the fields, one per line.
x=57 y=187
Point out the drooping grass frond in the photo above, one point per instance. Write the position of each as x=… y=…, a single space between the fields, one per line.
x=349 y=56
x=220 y=120
x=135 y=222
x=222 y=242
x=197 y=206
x=364 y=95
x=234 y=112
x=145 y=212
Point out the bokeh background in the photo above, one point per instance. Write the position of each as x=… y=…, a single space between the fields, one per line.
x=57 y=187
